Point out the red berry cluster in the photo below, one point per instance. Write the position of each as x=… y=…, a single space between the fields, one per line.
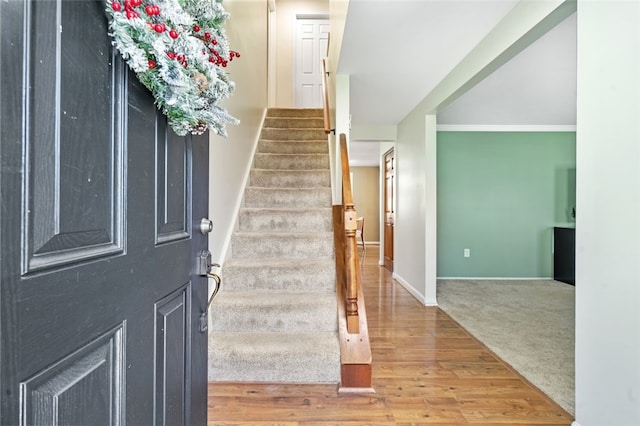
x=129 y=8
x=210 y=46
x=151 y=10
x=180 y=58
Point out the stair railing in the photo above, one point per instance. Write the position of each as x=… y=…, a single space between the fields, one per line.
x=325 y=91
x=345 y=247
x=355 y=348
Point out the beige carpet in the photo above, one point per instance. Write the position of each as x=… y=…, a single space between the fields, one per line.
x=529 y=324
x=275 y=318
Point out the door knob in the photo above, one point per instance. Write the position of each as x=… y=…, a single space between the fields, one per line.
x=206 y=226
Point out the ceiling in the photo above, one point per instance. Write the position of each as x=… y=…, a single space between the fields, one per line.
x=397 y=51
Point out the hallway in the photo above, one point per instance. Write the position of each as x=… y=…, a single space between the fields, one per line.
x=426 y=370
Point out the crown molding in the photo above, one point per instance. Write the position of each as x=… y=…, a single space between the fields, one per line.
x=504 y=128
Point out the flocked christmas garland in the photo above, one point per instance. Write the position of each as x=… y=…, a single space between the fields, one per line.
x=179 y=50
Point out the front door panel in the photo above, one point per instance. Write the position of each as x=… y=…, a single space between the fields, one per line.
x=99 y=302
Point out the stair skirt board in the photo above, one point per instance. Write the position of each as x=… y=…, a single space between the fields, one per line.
x=275 y=318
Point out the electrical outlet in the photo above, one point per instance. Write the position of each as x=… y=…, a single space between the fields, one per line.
x=467 y=252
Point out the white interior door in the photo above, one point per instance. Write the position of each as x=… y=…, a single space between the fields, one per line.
x=312 y=37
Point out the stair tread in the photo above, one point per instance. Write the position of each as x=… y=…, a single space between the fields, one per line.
x=323 y=141
x=289 y=188
x=277 y=262
x=297 y=235
x=294 y=154
x=273 y=341
x=288 y=209
x=291 y=170
x=293 y=127
x=263 y=298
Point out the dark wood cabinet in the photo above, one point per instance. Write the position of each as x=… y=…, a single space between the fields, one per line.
x=564 y=255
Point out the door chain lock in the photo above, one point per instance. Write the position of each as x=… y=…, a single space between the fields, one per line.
x=204 y=269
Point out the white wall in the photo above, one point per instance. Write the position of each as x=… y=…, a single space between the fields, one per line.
x=338 y=16
x=338 y=10
x=608 y=214
x=373 y=132
x=230 y=158
x=409 y=246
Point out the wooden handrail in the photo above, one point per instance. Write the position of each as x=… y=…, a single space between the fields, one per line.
x=325 y=92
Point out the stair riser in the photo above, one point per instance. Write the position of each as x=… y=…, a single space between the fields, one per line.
x=255 y=359
x=292 y=134
x=301 y=277
x=287 y=198
x=291 y=161
x=294 y=123
x=291 y=112
x=285 y=221
x=304 y=318
x=293 y=179
x=293 y=147
x=266 y=371
x=276 y=246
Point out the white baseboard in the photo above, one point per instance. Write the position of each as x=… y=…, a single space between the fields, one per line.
x=497 y=278
x=430 y=302
x=575 y=424
x=420 y=297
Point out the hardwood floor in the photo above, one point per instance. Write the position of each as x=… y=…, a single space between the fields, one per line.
x=426 y=370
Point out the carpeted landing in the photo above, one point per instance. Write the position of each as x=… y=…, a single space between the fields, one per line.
x=529 y=324
x=275 y=319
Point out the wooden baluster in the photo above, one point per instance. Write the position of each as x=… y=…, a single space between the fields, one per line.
x=339 y=244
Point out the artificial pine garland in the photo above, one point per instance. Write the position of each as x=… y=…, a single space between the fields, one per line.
x=178 y=49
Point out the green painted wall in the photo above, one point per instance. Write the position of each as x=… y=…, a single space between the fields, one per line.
x=499 y=195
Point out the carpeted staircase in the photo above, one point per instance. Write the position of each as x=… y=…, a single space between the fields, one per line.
x=275 y=319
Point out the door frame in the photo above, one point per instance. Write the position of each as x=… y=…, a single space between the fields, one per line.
x=272 y=49
x=382 y=203
x=383 y=196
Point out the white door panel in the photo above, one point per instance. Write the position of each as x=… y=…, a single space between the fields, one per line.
x=312 y=37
